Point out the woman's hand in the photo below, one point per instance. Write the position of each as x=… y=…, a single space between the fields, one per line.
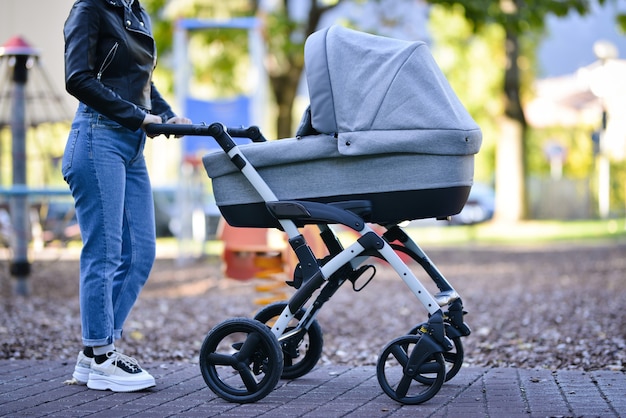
x=150 y=119
x=180 y=120
x=157 y=119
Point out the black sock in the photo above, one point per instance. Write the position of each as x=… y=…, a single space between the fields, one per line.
x=100 y=352
x=101 y=358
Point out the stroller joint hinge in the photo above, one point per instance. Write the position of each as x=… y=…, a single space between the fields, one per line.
x=371 y=241
x=454 y=317
x=395 y=233
x=308 y=265
x=446 y=297
x=436 y=329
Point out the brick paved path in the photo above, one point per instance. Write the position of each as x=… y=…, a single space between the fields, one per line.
x=36 y=389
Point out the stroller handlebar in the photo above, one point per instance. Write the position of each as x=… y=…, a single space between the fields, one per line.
x=218 y=131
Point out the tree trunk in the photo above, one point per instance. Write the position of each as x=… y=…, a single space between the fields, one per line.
x=510 y=155
x=509 y=172
x=285 y=84
x=285 y=87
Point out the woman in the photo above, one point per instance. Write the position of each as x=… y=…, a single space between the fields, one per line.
x=109 y=58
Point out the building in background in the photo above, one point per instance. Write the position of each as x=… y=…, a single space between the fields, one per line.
x=40 y=23
x=569 y=45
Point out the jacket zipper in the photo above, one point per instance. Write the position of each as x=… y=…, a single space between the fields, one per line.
x=107 y=60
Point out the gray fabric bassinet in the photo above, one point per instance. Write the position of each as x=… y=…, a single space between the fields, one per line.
x=383 y=125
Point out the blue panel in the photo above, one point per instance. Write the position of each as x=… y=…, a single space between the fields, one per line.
x=235 y=23
x=233 y=112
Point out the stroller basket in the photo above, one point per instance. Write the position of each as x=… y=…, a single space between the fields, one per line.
x=384 y=140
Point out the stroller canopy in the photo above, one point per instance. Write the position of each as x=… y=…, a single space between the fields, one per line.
x=382 y=95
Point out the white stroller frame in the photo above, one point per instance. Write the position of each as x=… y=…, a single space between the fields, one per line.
x=425 y=350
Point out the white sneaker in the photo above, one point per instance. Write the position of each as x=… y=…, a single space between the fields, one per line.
x=119 y=373
x=82 y=368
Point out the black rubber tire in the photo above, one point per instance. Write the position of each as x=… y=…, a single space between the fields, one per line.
x=298 y=366
x=241 y=360
x=401 y=387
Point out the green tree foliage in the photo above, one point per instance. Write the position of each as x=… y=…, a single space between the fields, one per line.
x=519 y=20
x=220 y=56
x=485 y=47
x=472 y=62
x=285 y=37
x=518 y=16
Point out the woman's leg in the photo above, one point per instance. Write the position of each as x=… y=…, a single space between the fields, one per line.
x=108 y=179
x=94 y=167
x=138 y=241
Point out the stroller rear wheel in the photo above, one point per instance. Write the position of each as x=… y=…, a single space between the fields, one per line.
x=241 y=360
x=300 y=353
x=405 y=388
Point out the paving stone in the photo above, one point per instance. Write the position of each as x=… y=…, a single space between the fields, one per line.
x=36 y=389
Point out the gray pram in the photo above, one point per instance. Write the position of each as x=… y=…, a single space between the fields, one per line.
x=384 y=140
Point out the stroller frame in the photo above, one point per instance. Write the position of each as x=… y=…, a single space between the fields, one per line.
x=411 y=369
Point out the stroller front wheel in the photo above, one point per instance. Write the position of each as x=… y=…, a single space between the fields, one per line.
x=405 y=388
x=241 y=360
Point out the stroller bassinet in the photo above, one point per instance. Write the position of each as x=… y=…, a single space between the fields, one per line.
x=383 y=126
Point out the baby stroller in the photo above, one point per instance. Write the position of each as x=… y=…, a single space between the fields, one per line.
x=384 y=140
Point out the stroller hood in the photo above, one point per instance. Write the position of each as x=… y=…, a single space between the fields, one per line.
x=382 y=95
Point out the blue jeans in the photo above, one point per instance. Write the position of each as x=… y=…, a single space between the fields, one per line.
x=104 y=166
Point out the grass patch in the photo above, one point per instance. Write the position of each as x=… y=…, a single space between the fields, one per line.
x=527 y=232
x=440 y=233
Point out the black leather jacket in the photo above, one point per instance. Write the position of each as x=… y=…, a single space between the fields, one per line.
x=109 y=58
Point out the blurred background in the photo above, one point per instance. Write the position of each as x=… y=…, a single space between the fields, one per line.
x=544 y=80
